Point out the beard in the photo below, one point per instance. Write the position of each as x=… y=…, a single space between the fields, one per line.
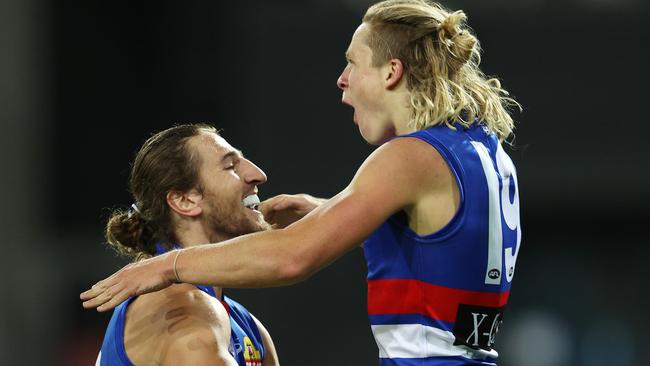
x=230 y=219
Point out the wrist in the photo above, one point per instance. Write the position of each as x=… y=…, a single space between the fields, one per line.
x=171 y=266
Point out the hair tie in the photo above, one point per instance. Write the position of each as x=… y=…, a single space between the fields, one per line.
x=135 y=208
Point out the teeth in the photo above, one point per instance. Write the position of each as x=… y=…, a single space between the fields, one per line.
x=251 y=201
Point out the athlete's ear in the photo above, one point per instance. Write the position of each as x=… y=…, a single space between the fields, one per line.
x=185 y=203
x=394 y=71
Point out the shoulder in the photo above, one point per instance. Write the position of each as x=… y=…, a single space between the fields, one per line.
x=177 y=305
x=411 y=148
x=398 y=174
x=170 y=322
x=182 y=297
x=406 y=161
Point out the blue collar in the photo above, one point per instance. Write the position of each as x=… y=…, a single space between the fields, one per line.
x=161 y=249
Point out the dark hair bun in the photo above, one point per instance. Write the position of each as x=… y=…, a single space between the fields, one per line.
x=127 y=232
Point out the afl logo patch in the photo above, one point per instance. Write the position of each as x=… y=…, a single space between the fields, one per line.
x=494 y=274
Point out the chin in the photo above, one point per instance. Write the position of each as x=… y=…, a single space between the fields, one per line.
x=375 y=139
x=375 y=136
x=367 y=135
x=262 y=226
x=373 y=142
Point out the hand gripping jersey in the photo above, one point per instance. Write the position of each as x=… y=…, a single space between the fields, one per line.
x=246 y=344
x=438 y=299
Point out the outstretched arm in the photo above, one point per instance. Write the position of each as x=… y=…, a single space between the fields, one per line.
x=390 y=179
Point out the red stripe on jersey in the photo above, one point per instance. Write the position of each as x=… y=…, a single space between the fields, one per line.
x=399 y=296
x=225 y=305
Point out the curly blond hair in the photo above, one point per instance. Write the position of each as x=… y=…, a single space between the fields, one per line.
x=441 y=60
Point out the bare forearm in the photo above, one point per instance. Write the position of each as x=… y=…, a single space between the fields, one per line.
x=277 y=257
x=291 y=254
x=263 y=259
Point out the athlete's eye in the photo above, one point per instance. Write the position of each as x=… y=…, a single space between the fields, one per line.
x=232 y=164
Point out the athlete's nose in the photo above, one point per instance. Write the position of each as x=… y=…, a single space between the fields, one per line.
x=252 y=174
x=342 y=81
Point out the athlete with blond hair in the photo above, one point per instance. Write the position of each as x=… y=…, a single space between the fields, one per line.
x=436 y=204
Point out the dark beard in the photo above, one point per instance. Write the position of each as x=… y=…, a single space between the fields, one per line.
x=232 y=221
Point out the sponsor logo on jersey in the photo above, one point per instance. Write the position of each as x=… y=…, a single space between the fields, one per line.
x=477 y=326
x=251 y=354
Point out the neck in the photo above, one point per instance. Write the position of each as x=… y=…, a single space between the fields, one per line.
x=399 y=105
x=401 y=121
x=195 y=234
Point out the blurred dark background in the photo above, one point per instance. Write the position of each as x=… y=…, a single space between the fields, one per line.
x=83 y=84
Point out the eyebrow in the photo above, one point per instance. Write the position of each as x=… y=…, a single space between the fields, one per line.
x=348 y=55
x=233 y=153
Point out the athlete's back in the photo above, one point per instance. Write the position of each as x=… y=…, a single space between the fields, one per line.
x=438 y=298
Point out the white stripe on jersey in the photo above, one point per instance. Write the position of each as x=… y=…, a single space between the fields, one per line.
x=421 y=341
x=99 y=358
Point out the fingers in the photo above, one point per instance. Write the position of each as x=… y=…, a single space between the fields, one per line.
x=107 y=299
x=268 y=205
x=266 y=208
x=271 y=206
x=301 y=204
x=98 y=288
x=284 y=204
x=104 y=294
x=132 y=280
x=97 y=299
x=278 y=203
x=117 y=299
x=89 y=294
x=285 y=209
x=103 y=298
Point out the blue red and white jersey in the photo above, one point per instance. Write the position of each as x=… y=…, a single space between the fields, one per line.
x=246 y=344
x=438 y=299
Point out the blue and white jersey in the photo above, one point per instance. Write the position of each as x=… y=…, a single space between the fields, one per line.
x=438 y=299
